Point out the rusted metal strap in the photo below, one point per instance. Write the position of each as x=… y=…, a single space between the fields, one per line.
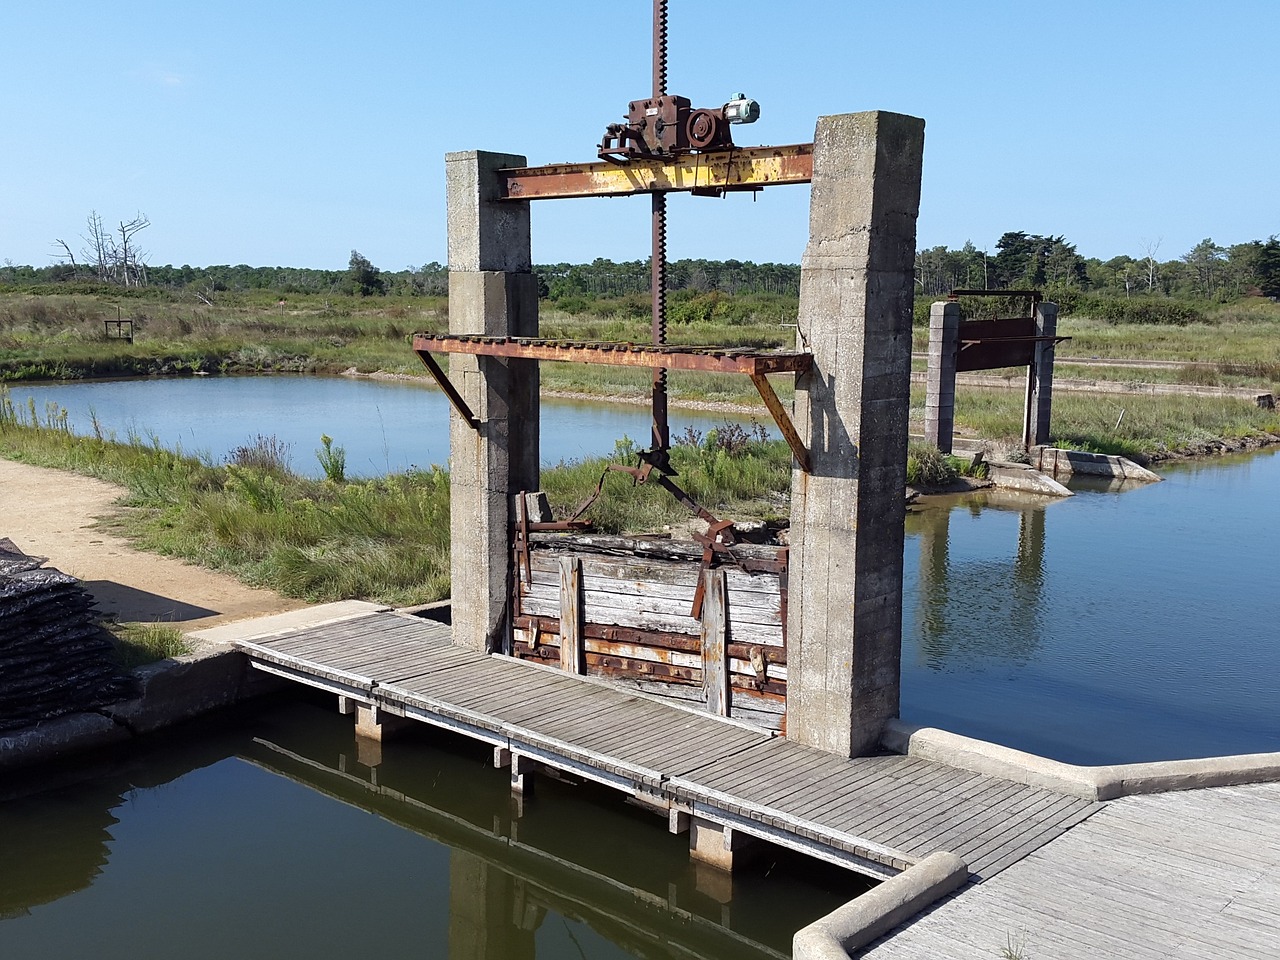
x=522 y=537
x=782 y=419
x=710 y=544
x=714 y=172
x=446 y=386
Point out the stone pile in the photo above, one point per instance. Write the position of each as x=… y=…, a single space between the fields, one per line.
x=54 y=656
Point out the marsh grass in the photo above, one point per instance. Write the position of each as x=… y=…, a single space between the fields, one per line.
x=1151 y=426
x=138 y=644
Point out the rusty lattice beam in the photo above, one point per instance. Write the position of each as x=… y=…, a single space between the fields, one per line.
x=707 y=359
x=742 y=168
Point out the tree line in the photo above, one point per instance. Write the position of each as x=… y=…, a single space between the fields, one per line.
x=1209 y=271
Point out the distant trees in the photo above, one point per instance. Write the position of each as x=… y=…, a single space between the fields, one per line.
x=365 y=279
x=1268 y=267
x=107 y=260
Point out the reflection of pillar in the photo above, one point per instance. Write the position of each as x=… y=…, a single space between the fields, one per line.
x=489 y=916
x=1040 y=378
x=845 y=610
x=1028 y=576
x=492 y=291
x=940 y=392
x=935 y=559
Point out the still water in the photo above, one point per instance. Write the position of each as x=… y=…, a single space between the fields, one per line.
x=271 y=839
x=1126 y=623
x=385 y=426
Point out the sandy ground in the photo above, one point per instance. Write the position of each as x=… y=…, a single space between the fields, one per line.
x=50 y=513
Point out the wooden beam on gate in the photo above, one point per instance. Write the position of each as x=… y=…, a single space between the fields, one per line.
x=715 y=643
x=714 y=173
x=572 y=651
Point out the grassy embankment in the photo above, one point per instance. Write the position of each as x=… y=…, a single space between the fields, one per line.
x=47 y=335
x=384 y=539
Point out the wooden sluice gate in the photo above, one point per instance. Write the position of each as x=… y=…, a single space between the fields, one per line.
x=650 y=615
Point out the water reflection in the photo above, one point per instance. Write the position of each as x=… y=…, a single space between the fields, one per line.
x=280 y=838
x=980 y=606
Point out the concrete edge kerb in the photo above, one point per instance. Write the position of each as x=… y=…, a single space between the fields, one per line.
x=870 y=916
x=1091 y=783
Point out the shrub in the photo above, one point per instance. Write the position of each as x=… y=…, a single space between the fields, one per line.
x=269 y=454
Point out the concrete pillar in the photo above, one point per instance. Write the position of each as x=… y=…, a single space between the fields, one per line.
x=845 y=611
x=1040 y=378
x=492 y=291
x=940 y=393
x=717 y=845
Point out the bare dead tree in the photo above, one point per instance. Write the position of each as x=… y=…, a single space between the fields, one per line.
x=1153 y=265
x=67 y=255
x=98 y=252
x=111 y=261
x=131 y=263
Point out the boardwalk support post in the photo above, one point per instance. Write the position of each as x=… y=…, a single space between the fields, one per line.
x=716 y=844
x=856 y=284
x=492 y=291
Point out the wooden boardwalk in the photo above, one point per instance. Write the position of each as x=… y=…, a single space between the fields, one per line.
x=876 y=815
x=1185 y=875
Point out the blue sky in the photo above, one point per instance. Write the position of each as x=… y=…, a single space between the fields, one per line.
x=288 y=133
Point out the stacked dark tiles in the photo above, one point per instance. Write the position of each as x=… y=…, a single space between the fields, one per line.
x=54 y=657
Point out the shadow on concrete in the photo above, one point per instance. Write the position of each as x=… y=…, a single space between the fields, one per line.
x=129 y=604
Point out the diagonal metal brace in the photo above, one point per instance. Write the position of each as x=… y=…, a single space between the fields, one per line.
x=782 y=419
x=448 y=389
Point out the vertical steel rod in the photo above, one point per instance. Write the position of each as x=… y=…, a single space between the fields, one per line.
x=658 y=257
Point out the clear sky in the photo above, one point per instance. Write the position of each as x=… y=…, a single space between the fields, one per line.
x=281 y=133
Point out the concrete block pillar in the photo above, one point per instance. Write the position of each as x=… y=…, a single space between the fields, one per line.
x=940 y=392
x=492 y=291
x=845 y=611
x=1040 y=378
x=719 y=846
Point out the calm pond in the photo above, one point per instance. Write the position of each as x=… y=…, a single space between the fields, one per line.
x=385 y=426
x=269 y=838
x=1127 y=623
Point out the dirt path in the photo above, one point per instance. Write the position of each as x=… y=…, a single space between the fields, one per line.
x=50 y=513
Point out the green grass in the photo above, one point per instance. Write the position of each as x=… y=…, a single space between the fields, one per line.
x=138 y=644
x=1140 y=426
x=384 y=539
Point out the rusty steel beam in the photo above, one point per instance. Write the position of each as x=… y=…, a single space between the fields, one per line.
x=706 y=359
x=714 y=172
x=446 y=385
x=782 y=419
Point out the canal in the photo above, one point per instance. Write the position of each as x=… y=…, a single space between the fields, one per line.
x=1126 y=623
x=269 y=837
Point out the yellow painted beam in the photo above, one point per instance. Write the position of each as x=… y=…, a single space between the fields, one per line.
x=743 y=168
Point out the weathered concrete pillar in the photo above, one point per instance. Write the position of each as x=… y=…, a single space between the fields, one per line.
x=492 y=291
x=845 y=612
x=1040 y=378
x=719 y=846
x=940 y=392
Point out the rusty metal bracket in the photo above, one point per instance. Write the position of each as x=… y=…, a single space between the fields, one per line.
x=782 y=419
x=442 y=380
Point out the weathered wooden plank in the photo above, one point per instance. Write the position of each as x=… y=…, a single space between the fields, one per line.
x=571 y=616
x=675 y=582
x=715 y=667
